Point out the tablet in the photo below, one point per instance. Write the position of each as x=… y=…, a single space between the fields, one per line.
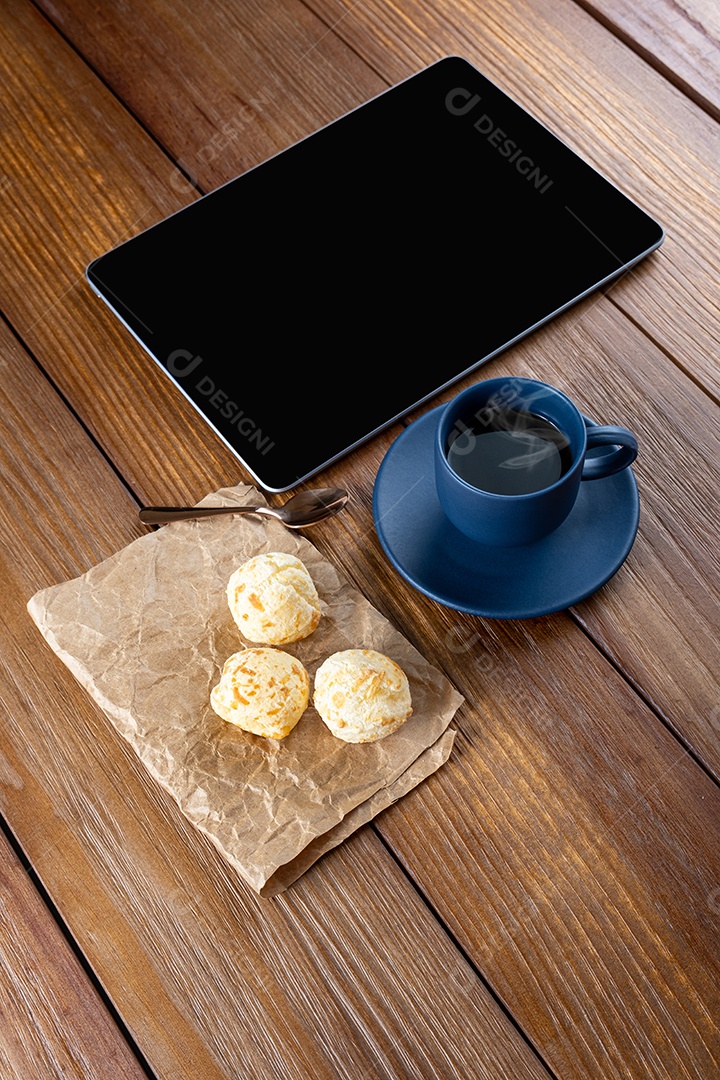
x=315 y=299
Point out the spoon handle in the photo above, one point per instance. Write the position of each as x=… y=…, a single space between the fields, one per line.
x=158 y=515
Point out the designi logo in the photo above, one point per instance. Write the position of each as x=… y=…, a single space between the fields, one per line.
x=461 y=102
x=182 y=363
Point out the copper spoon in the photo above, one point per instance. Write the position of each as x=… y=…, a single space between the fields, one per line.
x=305 y=508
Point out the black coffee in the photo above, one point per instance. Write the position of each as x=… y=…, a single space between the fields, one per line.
x=509 y=451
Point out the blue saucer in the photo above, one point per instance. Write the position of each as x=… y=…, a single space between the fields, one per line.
x=498 y=583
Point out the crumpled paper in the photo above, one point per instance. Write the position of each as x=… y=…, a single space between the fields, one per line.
x=147 y=632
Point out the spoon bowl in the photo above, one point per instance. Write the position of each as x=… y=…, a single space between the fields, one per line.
x=303 y=509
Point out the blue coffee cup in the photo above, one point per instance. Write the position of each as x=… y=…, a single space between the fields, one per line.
x=510 y=455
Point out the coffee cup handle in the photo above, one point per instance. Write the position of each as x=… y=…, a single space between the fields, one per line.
x=606 y=464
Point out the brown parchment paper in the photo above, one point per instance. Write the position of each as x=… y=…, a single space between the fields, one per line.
x=147 y=632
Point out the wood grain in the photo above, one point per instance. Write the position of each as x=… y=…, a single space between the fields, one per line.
x=569 y=845
x=53 y=1021
x=680 y=40
x=232 y=83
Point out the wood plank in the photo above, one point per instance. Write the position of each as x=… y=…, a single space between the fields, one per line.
x=521 y=721
x=252 y=79
x=210 y=980
x=680 y=40
x=53 y=1022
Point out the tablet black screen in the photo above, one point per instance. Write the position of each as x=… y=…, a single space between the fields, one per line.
x=319 y=296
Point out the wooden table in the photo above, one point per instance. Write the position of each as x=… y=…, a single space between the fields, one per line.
x=548 y=903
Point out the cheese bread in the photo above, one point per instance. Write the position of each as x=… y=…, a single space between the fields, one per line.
x=273 y=599
x=361 y=695
x=264 y=691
